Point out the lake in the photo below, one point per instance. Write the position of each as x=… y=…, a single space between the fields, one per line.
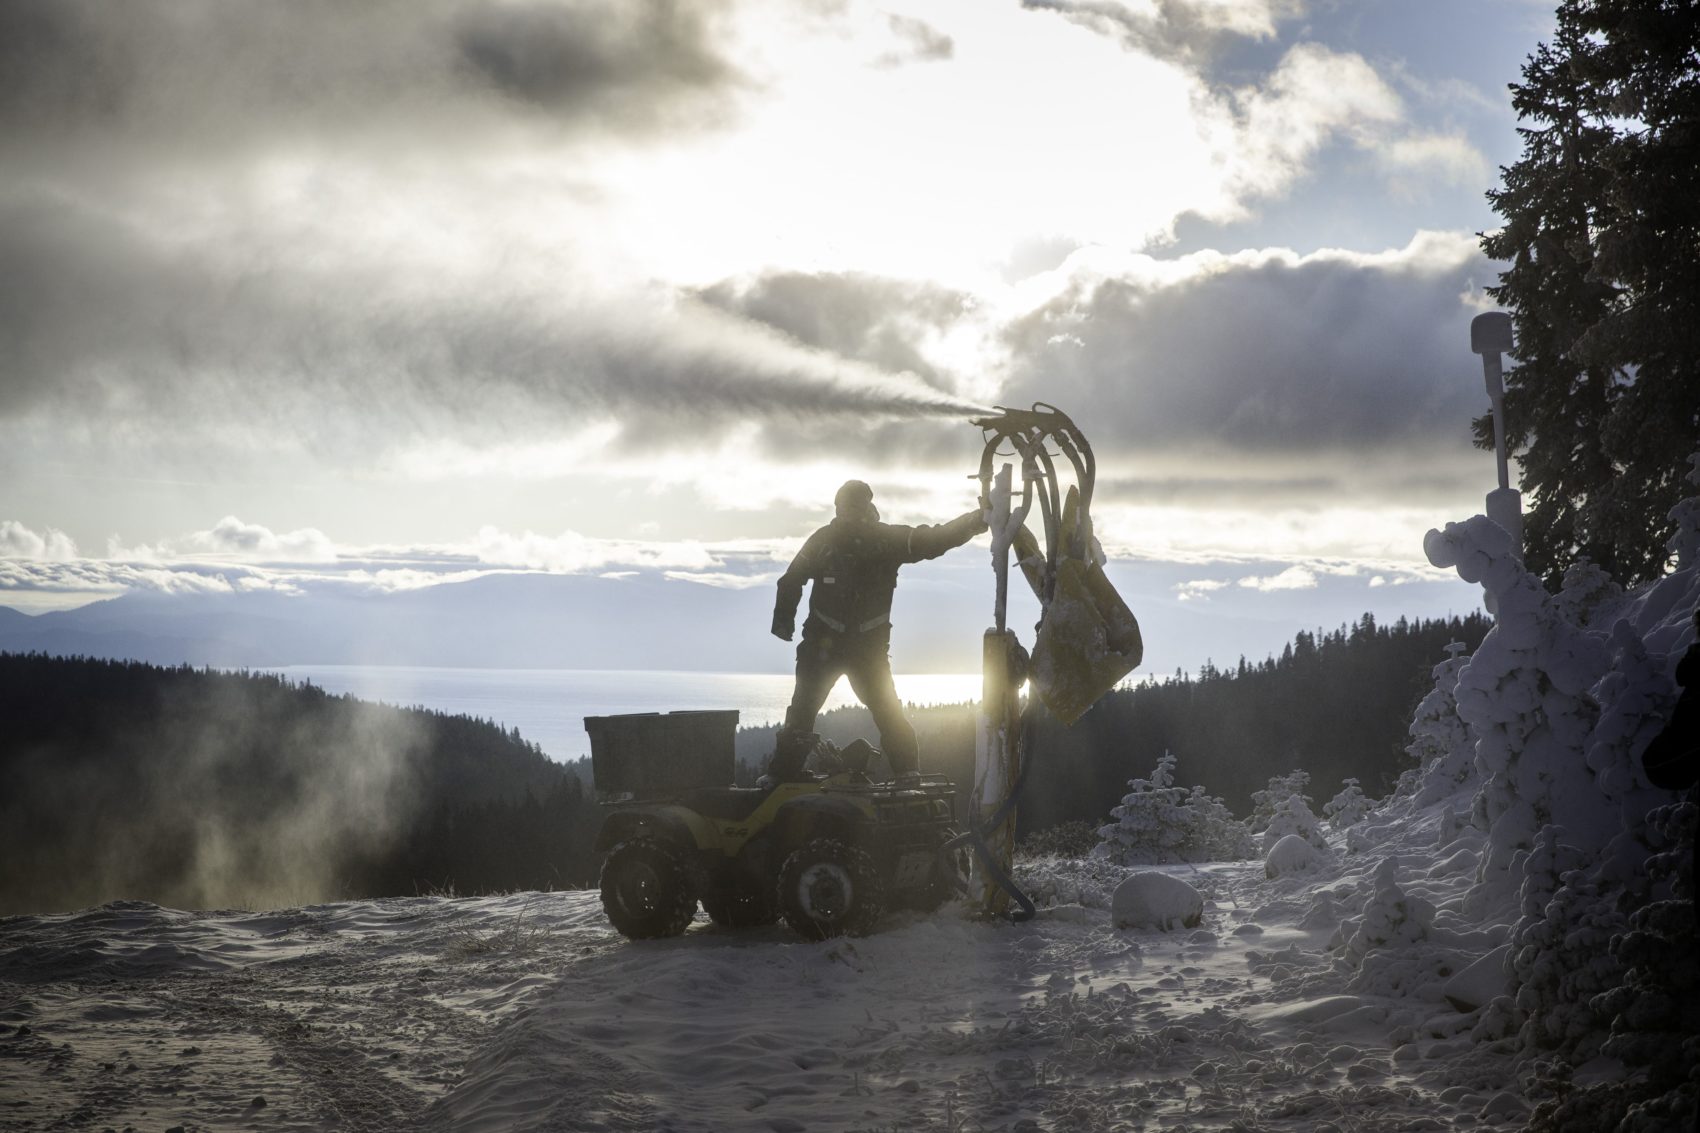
x=548 y=706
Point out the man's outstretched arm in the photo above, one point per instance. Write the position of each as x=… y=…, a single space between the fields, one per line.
x=931 y=542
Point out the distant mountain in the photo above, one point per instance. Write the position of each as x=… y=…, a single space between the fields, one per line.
x=497 y=621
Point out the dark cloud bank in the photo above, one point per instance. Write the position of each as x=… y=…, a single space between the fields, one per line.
x=112 y=325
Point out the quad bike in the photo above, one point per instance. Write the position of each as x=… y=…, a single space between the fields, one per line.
x=829 y=855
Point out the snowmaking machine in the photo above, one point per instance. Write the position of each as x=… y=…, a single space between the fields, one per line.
x=1087 y=639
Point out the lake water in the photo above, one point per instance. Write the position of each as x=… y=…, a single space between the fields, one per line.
x=548 y=706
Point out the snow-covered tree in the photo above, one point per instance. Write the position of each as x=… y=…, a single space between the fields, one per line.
x=1440 y=743
x=1158 y=822
x=1281 y=787
x=1349 y=807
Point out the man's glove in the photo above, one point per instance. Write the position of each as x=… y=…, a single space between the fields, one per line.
x=783 y=630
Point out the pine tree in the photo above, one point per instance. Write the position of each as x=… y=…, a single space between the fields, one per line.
x=1602 y=234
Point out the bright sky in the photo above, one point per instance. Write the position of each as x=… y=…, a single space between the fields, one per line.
x=417 y=289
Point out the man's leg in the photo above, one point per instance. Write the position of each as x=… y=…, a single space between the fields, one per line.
x=870 y=680
x=819 y=666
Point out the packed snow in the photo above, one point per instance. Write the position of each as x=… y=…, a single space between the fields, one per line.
x=1504 y=941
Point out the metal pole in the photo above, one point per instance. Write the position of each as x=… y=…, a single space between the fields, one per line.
x=1491 y=337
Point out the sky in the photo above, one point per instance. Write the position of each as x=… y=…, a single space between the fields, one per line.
x=390 y=295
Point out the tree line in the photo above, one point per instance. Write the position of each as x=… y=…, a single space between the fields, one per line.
x=201 y=789
x=1335 y=704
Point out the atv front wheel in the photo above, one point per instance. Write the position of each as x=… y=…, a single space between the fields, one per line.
x=830 y=889
x=646 y=890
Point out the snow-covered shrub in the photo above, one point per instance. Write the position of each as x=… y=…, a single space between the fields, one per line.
x=1068 y=881
x=1378 y=948
x=1560 y=954
x=1586 y=590
x=1072 y=839
x=1290 y=855
x=1293 y=816
x=1440 y=743
x=1349 y=807
x=1654 y=1010
x=1390 y=917
x=1158 y=822
x=1281 y=787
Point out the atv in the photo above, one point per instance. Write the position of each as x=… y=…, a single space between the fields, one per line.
x=829 y=854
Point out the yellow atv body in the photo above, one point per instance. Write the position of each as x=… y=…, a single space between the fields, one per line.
x=829 y=856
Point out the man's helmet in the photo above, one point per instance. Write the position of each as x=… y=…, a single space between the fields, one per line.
x=855 y=500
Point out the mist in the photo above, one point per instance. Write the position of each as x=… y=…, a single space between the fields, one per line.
x=194 y=790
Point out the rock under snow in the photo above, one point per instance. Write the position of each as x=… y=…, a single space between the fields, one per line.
x=1156 y=900
x=1292 y=854
x=1481 y=982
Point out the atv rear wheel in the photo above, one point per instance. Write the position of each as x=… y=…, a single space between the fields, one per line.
x=739 y=910
x=646 y=890
x=830 y=889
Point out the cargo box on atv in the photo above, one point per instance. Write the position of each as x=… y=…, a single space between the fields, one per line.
x=654 y=754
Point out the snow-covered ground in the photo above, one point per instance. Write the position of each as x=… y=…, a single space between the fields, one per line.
x=1507 y=941
x=529 y=1012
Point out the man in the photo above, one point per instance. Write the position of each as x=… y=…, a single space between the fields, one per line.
x=853 y=563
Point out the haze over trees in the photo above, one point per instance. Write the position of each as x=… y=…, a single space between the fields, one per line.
x=1602 y=234
x=202 y=789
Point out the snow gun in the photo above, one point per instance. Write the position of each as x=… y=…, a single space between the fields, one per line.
x=1087 y=639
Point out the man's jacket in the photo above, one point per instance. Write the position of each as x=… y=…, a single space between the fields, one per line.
x=853 y=565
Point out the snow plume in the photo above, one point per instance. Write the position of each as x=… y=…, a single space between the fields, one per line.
x=349 y=358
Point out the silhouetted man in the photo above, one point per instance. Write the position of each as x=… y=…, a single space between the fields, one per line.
x=853 y=563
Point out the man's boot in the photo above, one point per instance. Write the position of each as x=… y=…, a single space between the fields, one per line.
x=790 y=752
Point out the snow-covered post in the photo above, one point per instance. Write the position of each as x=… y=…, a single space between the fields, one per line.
x=1490 y=336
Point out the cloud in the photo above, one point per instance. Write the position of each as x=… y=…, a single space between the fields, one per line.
x=1200 y=588
x=1183 y=28
x=1257 y=353
x=220 y=81
x=1293 y=578
x=722 y=579
x=250 y=540
x=626 y=62
x=894 y=324
x=1427 y=158
x=19 y=542
x=572 y=553
x=918 y=42
x=1314 y=95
